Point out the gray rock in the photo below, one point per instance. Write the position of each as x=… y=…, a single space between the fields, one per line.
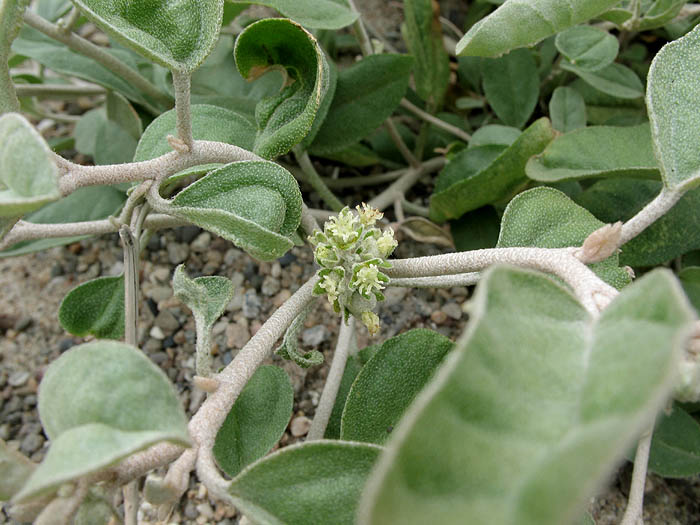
x=5 y=432
x=394 y=295
x=167 y=322
x=251 y=304
x=232 y=255
x=452 y=310
x=315 y=335
x=300 y=426
x=18 y=378
x=270 y=286
x=201 y=243
x=31 y=443
x=160 y=293
x=191 y=511
x=187 y=234
x=237 y=279
x=237 y=334
x=177 y=253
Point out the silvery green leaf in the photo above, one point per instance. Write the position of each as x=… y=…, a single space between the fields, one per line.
x=315 y=14
x=673 y=103
x=520 y=23
x=587 y=47
x=10 y=23
x=175 y=34
x=352 y=368
x=614 y=79
x=289 y=349
x=96 y=308
x=256 y=421
x=660 y=13
x=278 y=44
x=675 y=445
x=322 y=479
x=567 y=109
x=535 y=405
x=28 y=175
x=16 y=469
x=207 y=296
x=91 y=405
x=690 y=279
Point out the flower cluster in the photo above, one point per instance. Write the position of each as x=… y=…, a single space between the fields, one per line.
x=352 y=252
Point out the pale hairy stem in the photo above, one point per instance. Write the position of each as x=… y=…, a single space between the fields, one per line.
x=653 y=211
x=206 y=422
x=90 y=50
x=316 y=182
x=136 y=194
x=67 y=23
x=428 y=166
x=202 y=152
x=62 y=510
x=415 y=209
x=400 y=144
x=398 y=210
x=398 y=188
x=335 y=375
x=438 y=123
x=308 y=222
x=635 y=501
x=57 y=90
x=321 y=215
x=593 y=293
x=181 y=85
x=689 y=10
x=438 y=281
x=203 y=349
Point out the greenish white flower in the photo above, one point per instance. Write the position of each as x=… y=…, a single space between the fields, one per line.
x=352 y=253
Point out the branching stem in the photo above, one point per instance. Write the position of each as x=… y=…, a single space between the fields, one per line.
x=438 y=281
x=316 y=182
x=438 y=123
x=58 y=90
x=653 y=211
x=181 y=85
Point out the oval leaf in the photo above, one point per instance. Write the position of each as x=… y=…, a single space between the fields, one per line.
x=178 y=35
x=389 y=382
x=16 y=469
x=598 y=151
x=520 y=23
x=279 y=44
x=675 y=446
x=615 y=80
x=587 y=47
x=322 y=479
x=690 y=279
x=673 y=100
x=207 y=296
x=95 y=308
x=254 y=204
x=567 y=109
x=11 y=12
x=28 y=176
x=256 y=421
x=546 y=218
x=534 y=406
x=315 y=14
x=98 y=403
x=367 y=93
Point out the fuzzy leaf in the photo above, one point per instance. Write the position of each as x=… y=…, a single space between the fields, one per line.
x=690 y=279
x=352 y=368
x=494 y=135
x=423 y=36
x=322 y=479
x=207 y=296
x=28 y=176
x=10 y=23
x=256 y=421
x=208 y=123
x=16 y=469
x=546 y=218
x=476 y=229
x=512 y=86
x=673 y=100
x=587 y=47
x=289 y=349
x=367 y=93
x=675 y=445
x=178 y=35
x=254 y=204
x=613 y=200
x=567 y=109
x=95 y=308
x=520 y=23
x=91 y=405
x=279 y=44
x=614 y=79
x=315 y=14
x=493 y=182
x=534 y=407
x=597 y=151
x=389 y=383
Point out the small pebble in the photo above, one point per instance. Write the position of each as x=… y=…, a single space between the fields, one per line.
x=31 y=443
x=177 y=253
x=438 y=317
x=270 y=286
x=18 y=378
x=237 y=334
x=167 y=322
x=157 y=333
x=300 y=426
x=452 y=310
x=315 y=335
x=251 y=304
x=201 y=243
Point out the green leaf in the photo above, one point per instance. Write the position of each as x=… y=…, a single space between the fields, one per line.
x=675 y=445
x=389 y=383
x=207 y=296
x=598 y=151
x=586 y=519
x=11 y=12
x=690 y=279
x=256 y=421
x=352 y=368
x=208 y=123
x=567 y=109
x=28 y=176
x=615 y=79
x=254 y=204
x=16 y=469
x=120 y=111
x=315 y=14
x=587 y=47
x=476 y=229
x=512 y=86
x=100 y=402
x=673 y=103
x=494 y=135
x=58 y=57
x=520 y=23
x=422 y=33
x=52 y=9
x=534 y=407
x=367 y=93
x=95 y=509
x=95 y=308
x=660 y=13
x=322 y=479
x=289 y=349
x=668 y=237
x=178 y=35
x=104 y=201
x=546 y=218
x=279 y=44
x=494 y=182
